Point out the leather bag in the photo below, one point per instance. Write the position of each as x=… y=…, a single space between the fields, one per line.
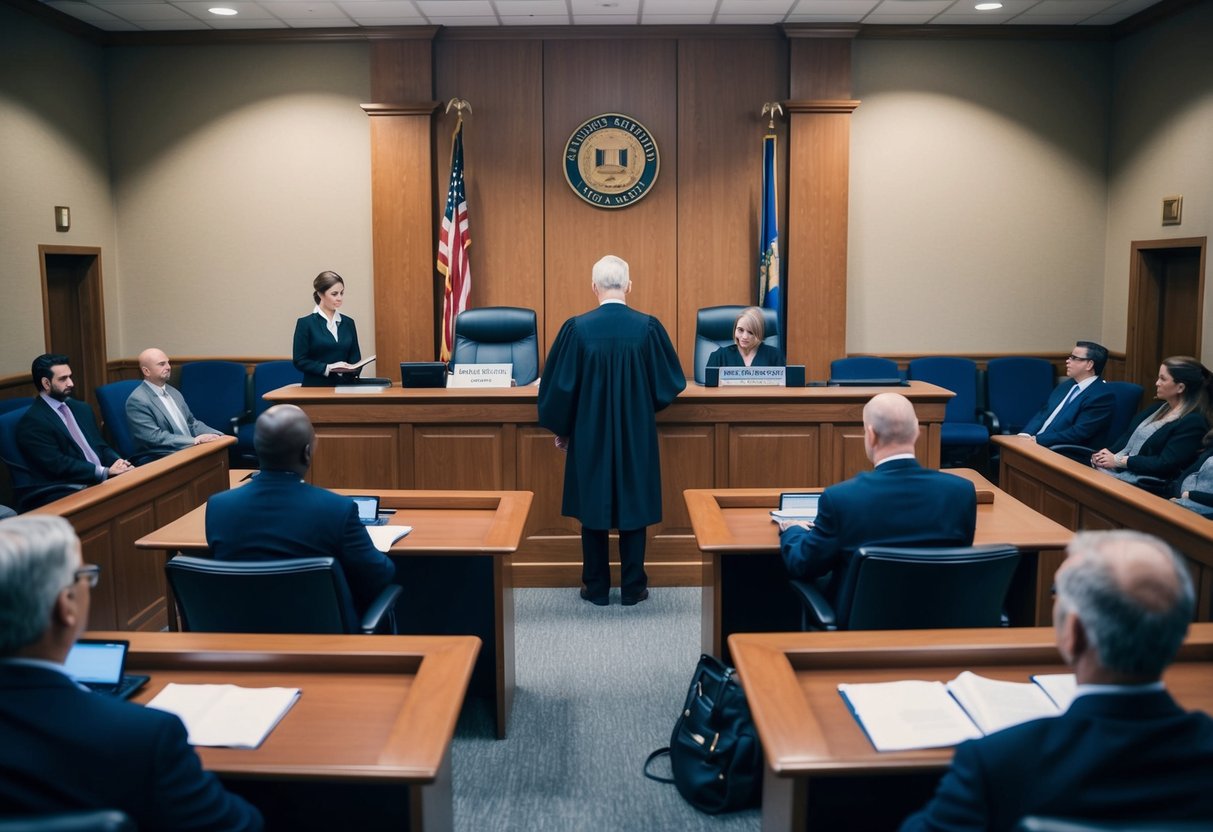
x=714 y=751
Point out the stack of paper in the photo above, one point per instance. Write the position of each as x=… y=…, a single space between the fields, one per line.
x=384 y=536
x=226 y=715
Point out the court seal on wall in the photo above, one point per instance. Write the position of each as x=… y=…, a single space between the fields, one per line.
x=611 y=161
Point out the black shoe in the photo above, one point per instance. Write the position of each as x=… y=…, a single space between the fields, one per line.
x=585 y=596
x=635 y=599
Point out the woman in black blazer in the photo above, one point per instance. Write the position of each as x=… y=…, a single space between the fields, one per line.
x=1166 y=438
x=326 y=342
x=747 y=349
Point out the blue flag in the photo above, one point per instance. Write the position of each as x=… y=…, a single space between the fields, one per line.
x=768 y=232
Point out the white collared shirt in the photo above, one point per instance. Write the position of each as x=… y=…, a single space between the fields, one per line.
x=612 y=300
x=174 y=413
x=330 y=325
x=893 y=457
x=1071 y=394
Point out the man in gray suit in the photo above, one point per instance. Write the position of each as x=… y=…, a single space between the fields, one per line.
x=160 y=419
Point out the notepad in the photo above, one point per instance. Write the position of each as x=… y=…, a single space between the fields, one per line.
x=226 y=715
x=384 y=536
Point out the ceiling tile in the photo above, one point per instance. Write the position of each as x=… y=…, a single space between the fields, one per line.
x=434 y=9
x=147 y=12
x=677 y=19
x=379 y=12
x=824 y=18
x=755 y=7
x=676 y=7
x=468 y=20
x=604 y=19
x=840 y=7
x=530 y=8
x=535 y=20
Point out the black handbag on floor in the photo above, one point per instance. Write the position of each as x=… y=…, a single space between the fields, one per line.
x=714 y=750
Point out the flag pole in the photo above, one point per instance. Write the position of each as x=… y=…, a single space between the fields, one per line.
x=454 y=238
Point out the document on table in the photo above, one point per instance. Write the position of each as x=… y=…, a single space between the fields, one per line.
x=226 y=715
x=384 y=536
x=898 y=716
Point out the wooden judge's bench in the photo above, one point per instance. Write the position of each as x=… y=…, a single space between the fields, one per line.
x=489 y=439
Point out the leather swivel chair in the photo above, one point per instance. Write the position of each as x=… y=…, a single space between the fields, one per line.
x=27 y=492
x=301 y=595
x=893 y=588
x=498 y=335
x=714 y=329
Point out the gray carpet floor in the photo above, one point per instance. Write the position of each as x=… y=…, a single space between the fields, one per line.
x=598 y=688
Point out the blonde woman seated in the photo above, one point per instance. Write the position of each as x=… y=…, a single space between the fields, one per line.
x=1165 y=439
x=747 y=349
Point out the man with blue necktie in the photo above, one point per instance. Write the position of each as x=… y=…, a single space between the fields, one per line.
x=1079 y=409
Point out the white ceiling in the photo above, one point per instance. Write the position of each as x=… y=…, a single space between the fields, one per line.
x=170 y=15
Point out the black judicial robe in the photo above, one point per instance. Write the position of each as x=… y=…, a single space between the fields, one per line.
x=608 y=373
x=730 y=356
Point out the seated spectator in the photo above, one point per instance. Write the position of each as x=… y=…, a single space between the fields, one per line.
x=64 y=748
x=1124 y=750
x=1195 y=489
x=1079 y=409
x=278 y=515
x=1164 y=439
x=159 y=418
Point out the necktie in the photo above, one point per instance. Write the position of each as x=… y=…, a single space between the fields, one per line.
x=77 y=436
x=174 y=413
x=1073 y=392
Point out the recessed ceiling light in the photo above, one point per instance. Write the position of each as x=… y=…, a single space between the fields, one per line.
x=222 y=11
x=987 y=7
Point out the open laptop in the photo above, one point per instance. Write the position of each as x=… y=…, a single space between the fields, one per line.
x=98 y=664
x=368 y=510
x=797 y=506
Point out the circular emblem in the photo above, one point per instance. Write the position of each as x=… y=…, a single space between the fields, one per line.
x=611 y=161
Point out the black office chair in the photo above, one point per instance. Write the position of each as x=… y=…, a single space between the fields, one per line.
x=303 y=595
x=887 y=588
x=714 y=329
x=1034 y=823
x=27 y=492
x=93 y=820
x=498 y=335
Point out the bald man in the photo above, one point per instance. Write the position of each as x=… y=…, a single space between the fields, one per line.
x=900 y=503
x=1124 y=750
x=159 y=418
x=277 y=515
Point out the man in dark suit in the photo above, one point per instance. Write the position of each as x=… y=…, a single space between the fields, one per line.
x=1079 y=409
x=59 y=436
x=159 y=418
x=64 y=748
x=900 y=503
x=278 y=515
x=608 y=373
x=1123 y=750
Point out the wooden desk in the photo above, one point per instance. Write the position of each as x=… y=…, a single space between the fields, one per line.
x=454 y=567
x=724 y=437
x=375 y=710
x=791 y=682
x=110 y=516
x=745 y=584
x=1079 y=497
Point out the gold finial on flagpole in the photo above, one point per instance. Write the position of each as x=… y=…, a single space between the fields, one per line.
x=771 y=108
x=458 y=105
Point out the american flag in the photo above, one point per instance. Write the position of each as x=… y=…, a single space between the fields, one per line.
x=453 y=242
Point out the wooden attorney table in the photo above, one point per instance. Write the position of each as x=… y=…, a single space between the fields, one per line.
x=809 y=737
x=454 y=567
x=1079 y=497
x=720 y=437
x=375 y=716
x=745 y=584
x=110 y=516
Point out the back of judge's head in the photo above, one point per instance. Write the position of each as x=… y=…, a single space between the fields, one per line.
x=611 y=272
x=283 y=438
x=891 y=417
x=39 y=556
x=1133 y=596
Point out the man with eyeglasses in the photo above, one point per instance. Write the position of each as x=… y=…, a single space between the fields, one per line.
x=1079 y=409
x=64 y=748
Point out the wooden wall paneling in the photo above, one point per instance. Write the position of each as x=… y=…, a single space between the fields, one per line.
x=773 y=455
x=458 y=457
x=1058 y=507
x=818 y=188
x=1091 y=520
x=97 y=546
x=541 y=471
x=503 y=164
x=583 y=79
x=848 y=453
x=346 y=456
x=722 y=85
x=688 y=460
x=140 y=591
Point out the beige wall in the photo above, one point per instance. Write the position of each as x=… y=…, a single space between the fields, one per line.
x=977 y=195
x=1161 y=144
x=52 y=152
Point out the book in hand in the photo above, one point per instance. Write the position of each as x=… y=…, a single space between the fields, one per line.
x=344 y=367
x=384 y=536
x=898 y=716
x=226 y=715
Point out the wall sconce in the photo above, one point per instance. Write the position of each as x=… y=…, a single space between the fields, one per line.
x=63 y=218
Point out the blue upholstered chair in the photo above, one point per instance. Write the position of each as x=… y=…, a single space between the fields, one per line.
x=216 y=391
x=860 y=367
x=267 y=376
x=498 y=335
x=112 y=400
x=962 y=432
x=1127 y=398
x=714 y=329
x=1017 y=387
x=26 y=493
x=19 y=403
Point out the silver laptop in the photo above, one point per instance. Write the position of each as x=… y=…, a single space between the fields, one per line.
x=797 y=506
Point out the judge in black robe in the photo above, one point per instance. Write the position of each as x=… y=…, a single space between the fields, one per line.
x=608 y=373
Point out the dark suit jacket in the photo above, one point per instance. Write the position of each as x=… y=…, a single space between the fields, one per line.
x=1170 y=449
x=277 y=515
x=52 y=454
x=1084 y=421
x=1109 y=757
x=608 y=373
x=65 y=749
x=900 y=503
x=315 y=348
x=730 y=356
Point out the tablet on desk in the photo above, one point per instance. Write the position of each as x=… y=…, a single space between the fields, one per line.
x=368 y=510
x=797 y=506
x=98 y=664
x=423 y=374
